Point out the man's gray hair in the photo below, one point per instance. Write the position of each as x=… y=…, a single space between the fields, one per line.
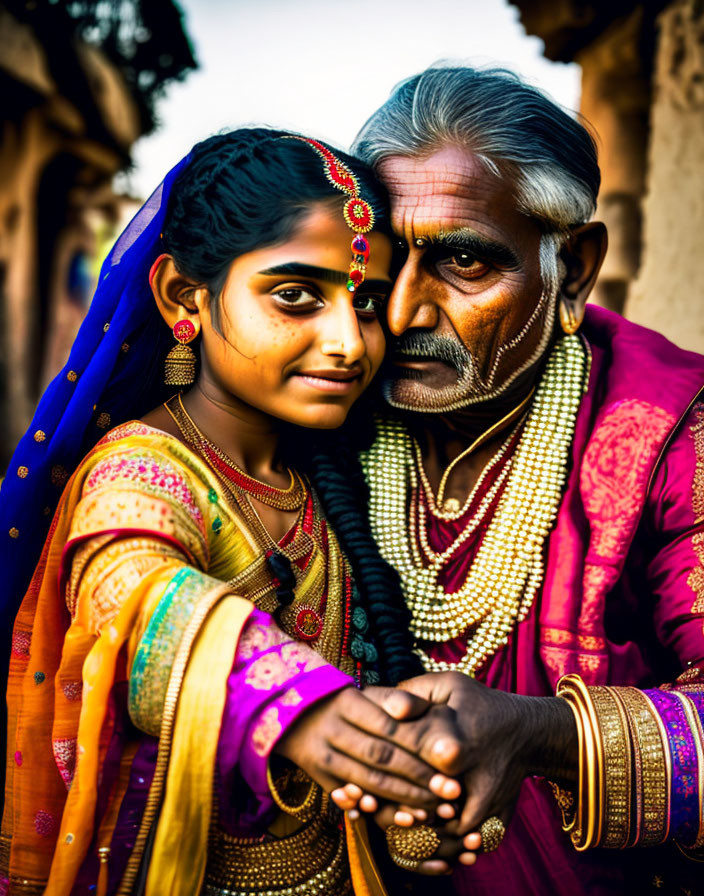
x=511 y=127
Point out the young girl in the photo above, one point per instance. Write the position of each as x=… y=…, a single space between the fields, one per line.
x=183 y=660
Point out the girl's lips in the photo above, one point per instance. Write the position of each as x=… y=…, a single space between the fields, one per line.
x=330 y=381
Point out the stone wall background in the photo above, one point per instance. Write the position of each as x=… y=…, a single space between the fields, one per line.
x=668 y=291
x=643 y=92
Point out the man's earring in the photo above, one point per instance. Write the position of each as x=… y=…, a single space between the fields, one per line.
x=569 y=321
x=180 y=367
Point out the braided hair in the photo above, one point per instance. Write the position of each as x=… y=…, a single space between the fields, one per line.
x=337 y=477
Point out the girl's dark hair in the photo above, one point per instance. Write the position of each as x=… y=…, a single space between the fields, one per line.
x=240 y=192
x=247 y=189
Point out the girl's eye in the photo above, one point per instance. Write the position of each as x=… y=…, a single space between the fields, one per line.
x=368 y=305
x=296 y=298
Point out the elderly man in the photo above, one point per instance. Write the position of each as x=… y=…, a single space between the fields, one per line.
x=537 y=481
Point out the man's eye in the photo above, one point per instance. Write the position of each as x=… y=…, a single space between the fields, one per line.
x=465 y=265
x=368 y=305
x=297 y=297
x=464 y=260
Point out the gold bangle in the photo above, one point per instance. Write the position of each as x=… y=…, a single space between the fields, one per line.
x=570 y=810
x=617 y=767
x=652 y=756
x=304 y=810
x=587 y=829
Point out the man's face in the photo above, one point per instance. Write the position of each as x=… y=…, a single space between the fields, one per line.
x=468 y=308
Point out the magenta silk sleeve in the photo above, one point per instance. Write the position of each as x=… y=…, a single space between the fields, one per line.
x=675 y=565
x=274 y=679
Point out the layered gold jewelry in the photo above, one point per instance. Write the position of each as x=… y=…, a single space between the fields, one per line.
x=410 y=847
x=290 y=498
x=513 y=414
x=623 y=781
x=508 y=570
x=311 y=860
x=492 y=832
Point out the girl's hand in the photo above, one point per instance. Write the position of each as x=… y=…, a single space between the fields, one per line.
x=357 y=737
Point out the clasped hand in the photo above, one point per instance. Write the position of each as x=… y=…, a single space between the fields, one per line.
x=442 y=749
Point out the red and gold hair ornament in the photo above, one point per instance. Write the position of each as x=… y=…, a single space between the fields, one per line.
x=359 y=215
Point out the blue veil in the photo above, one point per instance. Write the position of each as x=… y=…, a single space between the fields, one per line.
x=114 y=373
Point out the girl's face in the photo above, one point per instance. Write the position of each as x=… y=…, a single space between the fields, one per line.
x=291 y=341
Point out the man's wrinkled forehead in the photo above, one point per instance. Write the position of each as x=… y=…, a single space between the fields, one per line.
x=446 y=190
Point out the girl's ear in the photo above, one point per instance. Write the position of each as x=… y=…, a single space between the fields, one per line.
x=177 y=297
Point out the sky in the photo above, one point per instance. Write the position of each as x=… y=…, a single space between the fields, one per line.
x=321 y=67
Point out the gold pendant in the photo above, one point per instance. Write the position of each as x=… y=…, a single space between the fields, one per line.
x=451 y=505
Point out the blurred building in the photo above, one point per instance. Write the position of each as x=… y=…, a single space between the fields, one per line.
x=79 y=80
x=643 y=91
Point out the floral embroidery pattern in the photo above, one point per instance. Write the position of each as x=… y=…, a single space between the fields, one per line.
x=267 y=672
x=65 y=758
x=257 y=638
x=615 y=470
x=291 y=698
x=134 y=428
x=72 y=690
x=296 y=654
x=159 y=478
x=266 y=731
x=20 y=643
x=44 y=823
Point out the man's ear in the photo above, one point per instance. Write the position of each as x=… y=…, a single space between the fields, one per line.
x=177 y=297
x=582 y=254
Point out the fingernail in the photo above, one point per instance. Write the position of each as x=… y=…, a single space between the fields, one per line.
x=468 y=858
x=445 y=810
x=353 y=814
x=419 y=814
x=435 y=866
x=436 y=784
x=368 y=803
x=451 y=789
x=339 y=794
x=404 y=819
x=473 y=840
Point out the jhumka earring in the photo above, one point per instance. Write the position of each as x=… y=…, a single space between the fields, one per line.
x=358 y=214
x=569 y=321
x=180 y=367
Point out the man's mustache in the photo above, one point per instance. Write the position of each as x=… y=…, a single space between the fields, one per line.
x=437 y=348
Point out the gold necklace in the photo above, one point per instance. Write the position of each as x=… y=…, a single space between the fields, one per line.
x=480 y=440
x=508 y=570
x=290 y=498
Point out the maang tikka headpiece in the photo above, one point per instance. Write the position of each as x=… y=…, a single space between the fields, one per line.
x=359 y=215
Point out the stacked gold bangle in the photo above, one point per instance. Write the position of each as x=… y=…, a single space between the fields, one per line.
x=585 y=825
x=623 y=781
x=624 y=774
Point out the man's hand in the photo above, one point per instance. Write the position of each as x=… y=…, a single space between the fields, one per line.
x=506 y=737
x=357 y=737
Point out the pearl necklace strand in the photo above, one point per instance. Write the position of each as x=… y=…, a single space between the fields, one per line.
x=509 y=568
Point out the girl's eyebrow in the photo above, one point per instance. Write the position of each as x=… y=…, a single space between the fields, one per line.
x=312 y=272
